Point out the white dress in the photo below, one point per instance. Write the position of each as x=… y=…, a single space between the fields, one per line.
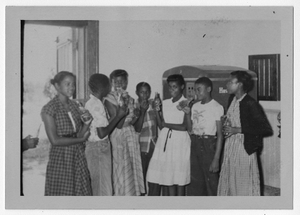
x=172 y=165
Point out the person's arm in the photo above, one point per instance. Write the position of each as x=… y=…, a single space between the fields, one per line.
x=185 y=126
x=214 y=167
x=112 y=111
x=258 y=123
x=84 y=129
x=134 y=120
x=140 y=120
x=54 y=139
x=159 y=119
x=188 y=119
x=104 y=131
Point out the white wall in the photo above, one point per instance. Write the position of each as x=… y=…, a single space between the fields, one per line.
x=147 y=48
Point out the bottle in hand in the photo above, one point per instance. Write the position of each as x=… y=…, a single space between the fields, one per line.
x=226 y=122
x=157 y=102
x=85 y=115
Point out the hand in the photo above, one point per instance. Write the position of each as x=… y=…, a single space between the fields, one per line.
x=136 y=112
x=122 y=111
x=156 y=105
x=214 y=166
x=144 y=106
x=186 y=110
x=29 y=142
x=87 y=118
x=228 y=131
x=125 y=97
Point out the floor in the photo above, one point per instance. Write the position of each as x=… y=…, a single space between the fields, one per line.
x=271 y=191
x=34 y=169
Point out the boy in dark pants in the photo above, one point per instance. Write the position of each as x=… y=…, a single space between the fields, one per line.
x=206 y=136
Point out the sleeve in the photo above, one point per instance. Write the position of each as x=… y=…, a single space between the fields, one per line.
x=219 y=112
x=98 y=112
x=192 y=111
x=259 y=123
x=49 y=109
x=112 y=99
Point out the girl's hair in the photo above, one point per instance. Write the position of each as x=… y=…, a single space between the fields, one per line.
x=142 y=84
x=245 y=78
x=205 y=81
x=99 y=83
x=177 y=78
x=118 y=73
x=59 y=77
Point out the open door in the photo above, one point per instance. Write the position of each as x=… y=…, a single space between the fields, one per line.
x=49 y=47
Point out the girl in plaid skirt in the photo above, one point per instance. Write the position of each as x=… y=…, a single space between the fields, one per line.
x=67 y=173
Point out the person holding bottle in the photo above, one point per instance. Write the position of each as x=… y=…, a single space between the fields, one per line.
x=127 y=166
x=98 y=147
x=67 y=172
x=170 y=163
x=247 y=125
x=146 y=125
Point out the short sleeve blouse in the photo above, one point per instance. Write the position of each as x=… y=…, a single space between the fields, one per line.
x=63 y=123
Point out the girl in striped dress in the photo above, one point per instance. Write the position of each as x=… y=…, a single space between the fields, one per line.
x=67 y=173
x=246 y=127
x=127 y=167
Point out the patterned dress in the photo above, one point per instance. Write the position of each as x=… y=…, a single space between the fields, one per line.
x=239 y=173
x=67 y=173
x=127 y=166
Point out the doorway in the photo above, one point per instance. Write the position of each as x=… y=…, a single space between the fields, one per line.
x=47 y=48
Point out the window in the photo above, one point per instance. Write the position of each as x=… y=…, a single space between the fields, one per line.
x=267 y=68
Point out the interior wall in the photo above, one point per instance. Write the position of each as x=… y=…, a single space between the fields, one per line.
x=147 y=48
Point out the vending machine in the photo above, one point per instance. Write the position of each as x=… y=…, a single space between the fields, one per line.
x=219 y=75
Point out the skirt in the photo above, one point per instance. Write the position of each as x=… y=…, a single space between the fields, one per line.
x=67 y=172
x=127 y=166
x=170 y=162
x=239 y=173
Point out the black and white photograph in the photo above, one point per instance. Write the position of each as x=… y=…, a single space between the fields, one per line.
x=149 y=107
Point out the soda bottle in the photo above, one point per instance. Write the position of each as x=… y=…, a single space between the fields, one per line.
x=227 y=122
x=85 y=116
x=157 y=101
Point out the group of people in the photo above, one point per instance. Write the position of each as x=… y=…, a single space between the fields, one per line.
x=119 y=146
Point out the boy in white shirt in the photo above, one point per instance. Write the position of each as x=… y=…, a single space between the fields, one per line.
x=206 y=137
x=98 y=146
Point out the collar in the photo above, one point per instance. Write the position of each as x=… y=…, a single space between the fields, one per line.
x=240 y=99
x=179 y=100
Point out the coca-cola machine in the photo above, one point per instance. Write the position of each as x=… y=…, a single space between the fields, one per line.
x=219 y=75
